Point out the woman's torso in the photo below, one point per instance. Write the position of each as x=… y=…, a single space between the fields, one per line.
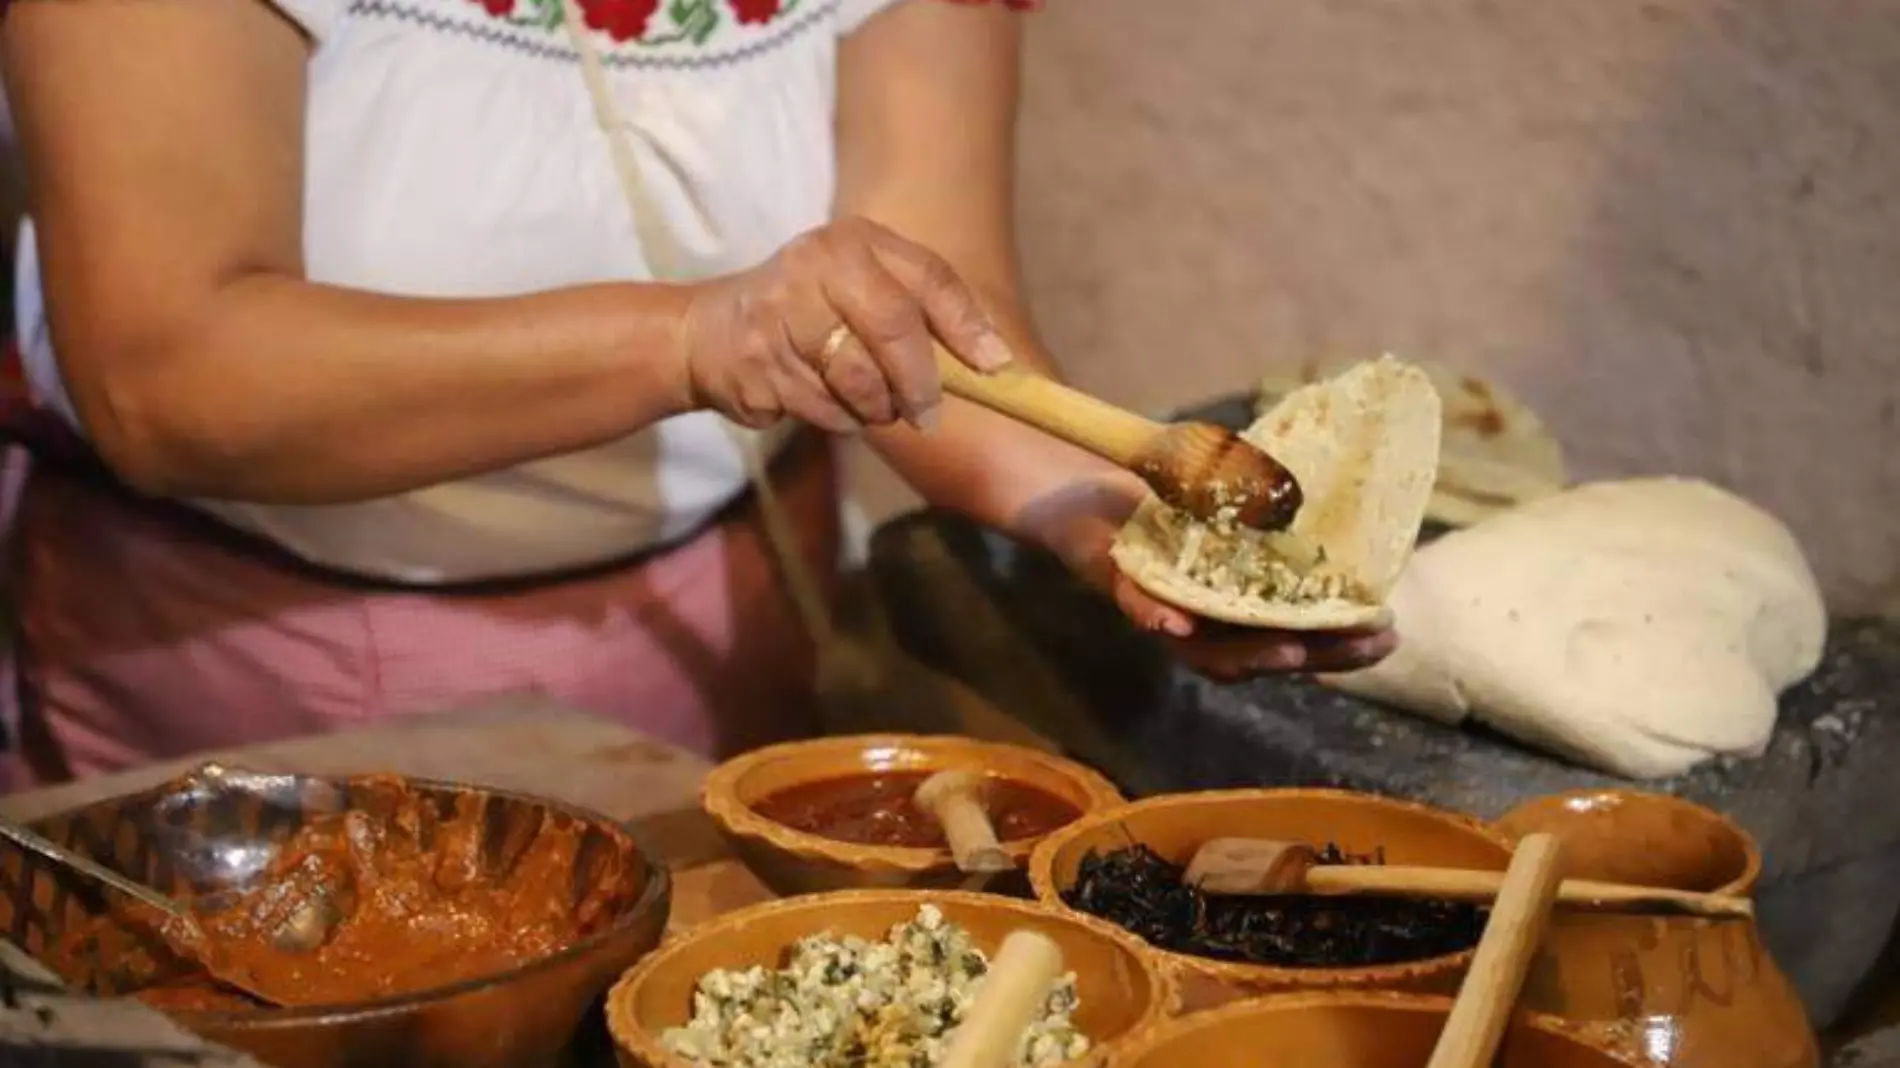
x=453 y=151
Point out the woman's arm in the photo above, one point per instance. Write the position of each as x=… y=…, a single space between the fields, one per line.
x=926 y=133
x=165 y=142
x=927 y=104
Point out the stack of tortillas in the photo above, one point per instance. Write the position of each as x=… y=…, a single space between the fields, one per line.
x=1494 y=452
x=1364 y=446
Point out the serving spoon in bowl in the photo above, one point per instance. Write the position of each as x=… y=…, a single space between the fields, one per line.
x=1027 y=964
x=1257 y=867
x=954 y=798
x=1488 y=997
x=305 y=927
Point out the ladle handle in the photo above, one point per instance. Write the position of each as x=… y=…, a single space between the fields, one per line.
x=1013 y=992
x=1489 y=994
x=1457 y=884
x=954 y=799
x=19 y=835
x=1115 y=434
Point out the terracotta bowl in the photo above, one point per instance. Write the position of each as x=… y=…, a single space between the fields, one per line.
x=794 y=862
x=1345 y=1029
x=1643 y=839
x=1122 y=992
x=206 y=836
x=1687 y=992
x=1176 y=825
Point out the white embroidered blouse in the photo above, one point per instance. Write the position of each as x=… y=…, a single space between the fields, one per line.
x=453 y=151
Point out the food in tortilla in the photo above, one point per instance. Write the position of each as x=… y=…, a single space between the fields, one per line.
x=1494 y=452
x=1364 y=446
x=1638 y=628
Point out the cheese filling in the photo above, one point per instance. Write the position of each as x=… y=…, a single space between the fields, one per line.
x=852 y=1003
x=1235 y=560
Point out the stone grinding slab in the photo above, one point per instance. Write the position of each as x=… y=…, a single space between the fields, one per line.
x=1822 y=800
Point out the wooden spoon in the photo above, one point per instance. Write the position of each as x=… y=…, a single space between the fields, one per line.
x=1202 y=469
x=1489 y=994
x=181 y=930
x=954 y=797
x=1244 y=867
x=1013 y=992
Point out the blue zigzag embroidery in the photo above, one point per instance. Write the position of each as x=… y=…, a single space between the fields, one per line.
x=498 y=34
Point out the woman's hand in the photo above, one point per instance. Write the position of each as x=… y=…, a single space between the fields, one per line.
x=1080 y=525
x=836 y=330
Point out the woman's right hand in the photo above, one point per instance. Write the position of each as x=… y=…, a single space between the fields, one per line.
x=837 y=330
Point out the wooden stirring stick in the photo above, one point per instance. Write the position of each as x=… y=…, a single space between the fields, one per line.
x=1489 y=994
x=1199 y=468
x=1013 y=992
x=955 y=798
x=1246 y=867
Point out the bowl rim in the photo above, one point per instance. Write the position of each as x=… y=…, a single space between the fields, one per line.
x=1159 y=1035
x=629 y=1036
x=719 y=797
x=1743 y=885
x=1042 y=883
x=657 y=893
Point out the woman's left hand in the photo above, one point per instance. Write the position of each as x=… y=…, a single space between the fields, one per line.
x=1080 y=527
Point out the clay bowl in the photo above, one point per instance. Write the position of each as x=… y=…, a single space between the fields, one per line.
x=206 y=836
x=794 y=862
x=1643 y=839
x=1122 y=992
x=1685 y=991
x=1174 y=826
x=1346 y=1029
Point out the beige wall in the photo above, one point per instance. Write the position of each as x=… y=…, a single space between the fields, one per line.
x=1672 y=223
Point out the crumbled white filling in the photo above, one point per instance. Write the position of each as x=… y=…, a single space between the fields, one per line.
x=1241 y=562
x=851 y=1003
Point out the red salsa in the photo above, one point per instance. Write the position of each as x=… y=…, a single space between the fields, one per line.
x=878 y=809
x=420 y=910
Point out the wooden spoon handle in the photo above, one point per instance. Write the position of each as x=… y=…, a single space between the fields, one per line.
x=1453 y=884
x=1489 y=994
x=954 y=798
x=1013 y=993
x=1115 y=434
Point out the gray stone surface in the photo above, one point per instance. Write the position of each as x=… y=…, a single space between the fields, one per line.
x=1821 y=800
x=1878 y=1050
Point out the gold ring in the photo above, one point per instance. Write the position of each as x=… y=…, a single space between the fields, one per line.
x=834 y=343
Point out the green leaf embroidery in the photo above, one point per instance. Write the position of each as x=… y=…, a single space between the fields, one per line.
x=696 y=19
x=693 y=20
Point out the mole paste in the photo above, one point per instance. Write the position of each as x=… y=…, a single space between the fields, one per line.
x=1141 y=891
x=420 y=908
x=878 y=809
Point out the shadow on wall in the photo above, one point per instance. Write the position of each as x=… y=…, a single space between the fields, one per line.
x=1661 y=220
x=1727 y=305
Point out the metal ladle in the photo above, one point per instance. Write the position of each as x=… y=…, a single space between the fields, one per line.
x=304 y=929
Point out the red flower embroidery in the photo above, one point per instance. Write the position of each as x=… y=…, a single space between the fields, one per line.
x=622 y=20
x=756 y=12
x=501 y=9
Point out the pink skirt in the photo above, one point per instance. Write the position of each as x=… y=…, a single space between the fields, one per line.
x=143 y=636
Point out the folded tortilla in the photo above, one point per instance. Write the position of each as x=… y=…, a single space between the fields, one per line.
x=1494 y=452
x=1364 y=446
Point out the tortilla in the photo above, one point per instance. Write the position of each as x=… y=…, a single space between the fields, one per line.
x=1495 y=453
x=1364 y=446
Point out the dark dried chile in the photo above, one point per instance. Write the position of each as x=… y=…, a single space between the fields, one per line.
x=1142 y=891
